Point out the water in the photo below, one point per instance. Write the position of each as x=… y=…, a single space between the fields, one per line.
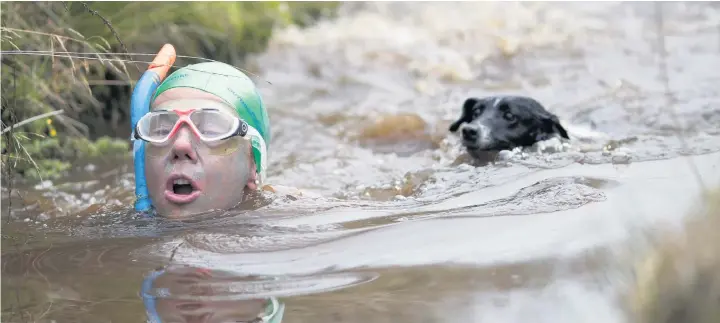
x=394 y=225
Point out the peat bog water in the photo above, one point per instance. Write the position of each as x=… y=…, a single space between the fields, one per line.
x=395 y=225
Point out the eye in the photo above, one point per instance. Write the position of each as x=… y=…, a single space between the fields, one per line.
x=477 y=112
x=509 y=117
x=161 y=132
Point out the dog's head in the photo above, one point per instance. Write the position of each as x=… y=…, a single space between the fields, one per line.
x=505 y=122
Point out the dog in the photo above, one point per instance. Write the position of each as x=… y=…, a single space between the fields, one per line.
x=496 y=123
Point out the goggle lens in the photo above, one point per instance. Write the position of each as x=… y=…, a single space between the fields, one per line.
x=157 y=126
x=212 y=125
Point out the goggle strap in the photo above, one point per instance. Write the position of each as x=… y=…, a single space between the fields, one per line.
x=259 y=151
x=274 y=311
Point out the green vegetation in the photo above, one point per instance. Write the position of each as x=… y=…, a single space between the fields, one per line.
x=93 y=90
x=678 y=281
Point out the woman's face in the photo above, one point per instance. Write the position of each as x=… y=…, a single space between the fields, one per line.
x=187 y=176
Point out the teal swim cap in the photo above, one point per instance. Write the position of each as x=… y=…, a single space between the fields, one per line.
x=235 y=88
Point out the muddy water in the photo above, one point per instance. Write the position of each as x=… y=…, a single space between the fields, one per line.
x=394 y=224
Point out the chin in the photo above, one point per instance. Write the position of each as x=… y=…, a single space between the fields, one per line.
x=178 y=211
x=482 y=156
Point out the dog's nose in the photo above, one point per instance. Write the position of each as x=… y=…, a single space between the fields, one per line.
x=469 y=133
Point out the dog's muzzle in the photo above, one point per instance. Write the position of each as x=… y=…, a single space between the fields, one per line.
x=475 y=136
x=470 y=134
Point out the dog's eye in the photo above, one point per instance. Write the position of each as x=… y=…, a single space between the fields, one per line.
x=509 y=117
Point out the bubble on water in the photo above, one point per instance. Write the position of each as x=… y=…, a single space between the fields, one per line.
x=505 y=155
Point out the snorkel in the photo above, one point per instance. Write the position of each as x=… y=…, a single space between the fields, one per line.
x=139 y=106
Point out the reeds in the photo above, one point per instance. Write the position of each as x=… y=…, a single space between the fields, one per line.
x=677 y=280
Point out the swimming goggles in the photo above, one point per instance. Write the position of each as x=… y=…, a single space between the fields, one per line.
x=208 y=124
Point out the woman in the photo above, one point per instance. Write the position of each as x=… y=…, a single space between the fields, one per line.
x=206 y=137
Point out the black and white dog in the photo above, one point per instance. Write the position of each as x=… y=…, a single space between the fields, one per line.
x=497 y=123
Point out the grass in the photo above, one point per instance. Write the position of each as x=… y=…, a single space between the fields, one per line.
x=677 y=280
x=90 y=93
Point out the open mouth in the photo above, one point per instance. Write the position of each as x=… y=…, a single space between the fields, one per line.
x=181 y=189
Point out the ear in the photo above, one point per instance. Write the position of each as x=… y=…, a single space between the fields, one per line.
x=467 y=112
x=562 y=131
x=552 y=125
x=252 y=184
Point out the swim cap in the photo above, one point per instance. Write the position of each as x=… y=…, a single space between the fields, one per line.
x=235 y=88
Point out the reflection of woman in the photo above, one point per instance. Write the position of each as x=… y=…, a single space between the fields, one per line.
x=191 y=294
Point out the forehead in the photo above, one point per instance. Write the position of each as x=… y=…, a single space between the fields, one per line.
x=191 y=104
x=188 y=98
x=519 y=107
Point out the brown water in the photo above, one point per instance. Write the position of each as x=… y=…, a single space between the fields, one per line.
x=394 y=224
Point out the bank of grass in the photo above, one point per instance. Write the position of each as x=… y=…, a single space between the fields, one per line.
x=93 y=92
x=679 y=279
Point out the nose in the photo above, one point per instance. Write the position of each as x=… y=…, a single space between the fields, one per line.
x=469 y=133
x=182 y=149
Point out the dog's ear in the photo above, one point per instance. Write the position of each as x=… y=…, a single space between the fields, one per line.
x=467 y=113
x=552 y=125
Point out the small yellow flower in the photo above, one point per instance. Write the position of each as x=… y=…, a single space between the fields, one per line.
x=50 y=129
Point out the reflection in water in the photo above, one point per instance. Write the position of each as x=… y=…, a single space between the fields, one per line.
x=190 y=295
x=194 y=294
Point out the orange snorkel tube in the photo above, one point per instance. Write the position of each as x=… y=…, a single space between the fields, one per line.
x=139 y=106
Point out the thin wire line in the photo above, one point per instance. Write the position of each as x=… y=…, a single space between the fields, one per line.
x=101 y=53
x=76 y=56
